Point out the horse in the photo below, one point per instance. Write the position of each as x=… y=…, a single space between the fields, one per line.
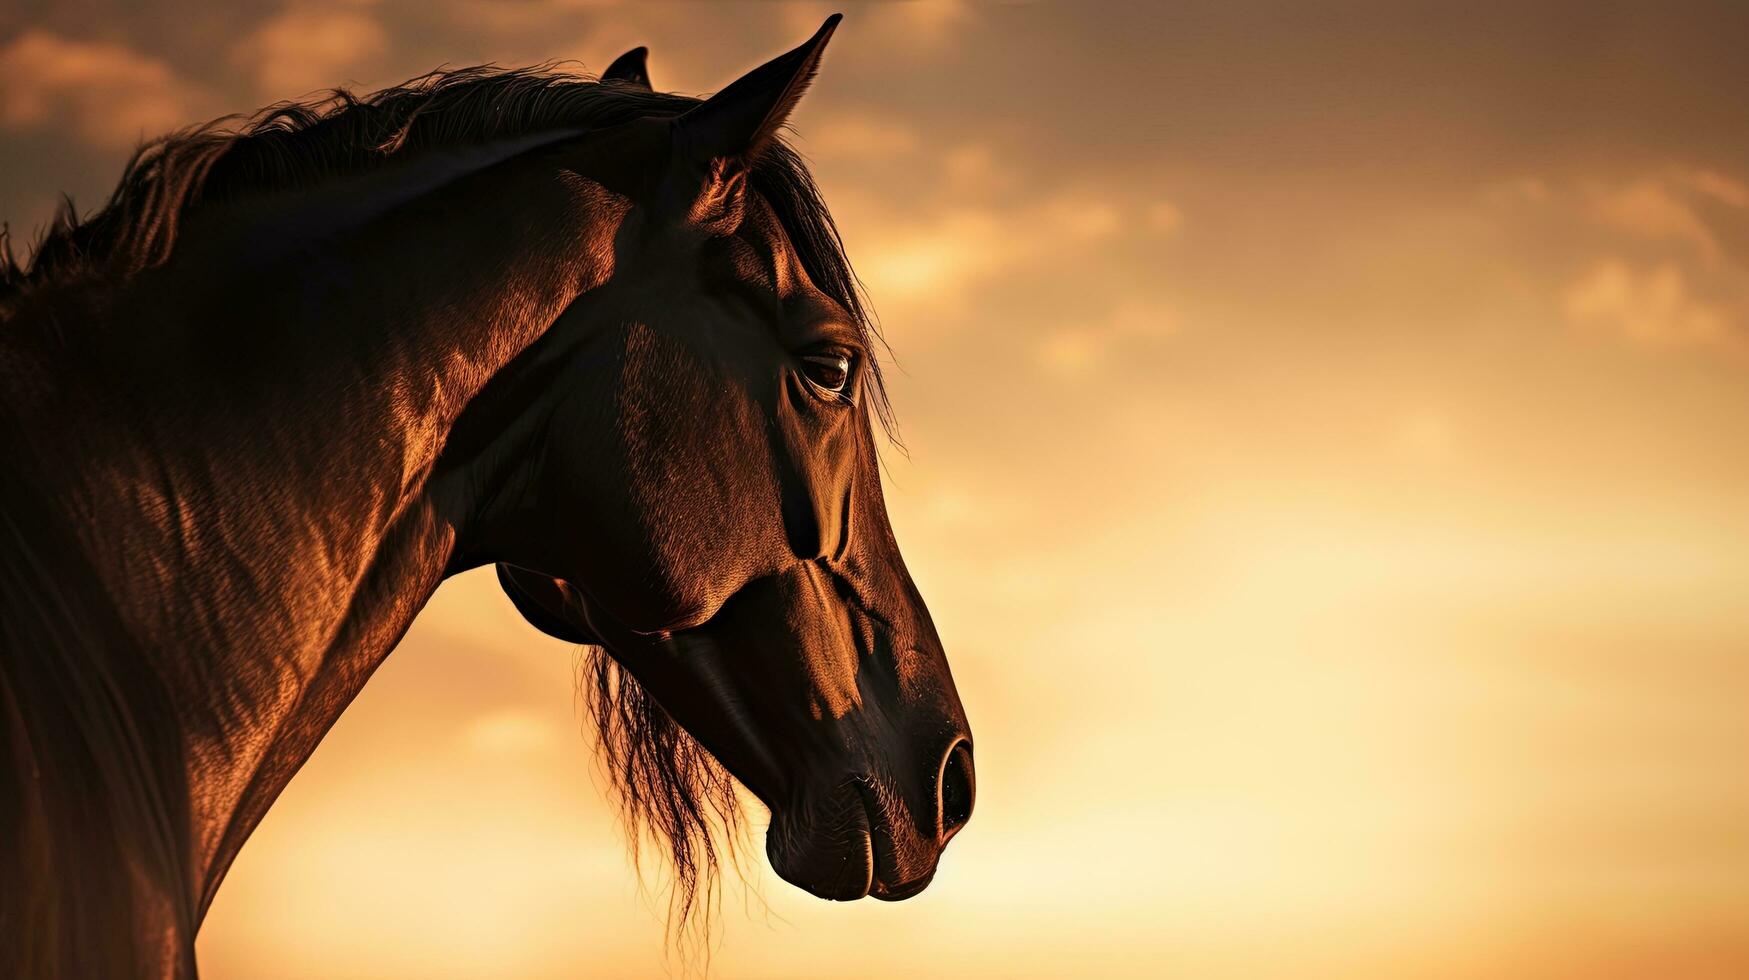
x=301 y=368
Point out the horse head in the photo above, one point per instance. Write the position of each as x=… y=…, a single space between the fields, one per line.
x=706 y=504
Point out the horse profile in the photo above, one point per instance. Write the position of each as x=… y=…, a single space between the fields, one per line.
x=295 y=373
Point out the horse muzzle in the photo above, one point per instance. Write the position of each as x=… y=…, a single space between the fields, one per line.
x=862 y=838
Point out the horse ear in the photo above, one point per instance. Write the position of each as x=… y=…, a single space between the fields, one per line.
x=741 y=120
x=541 y=601
x=630 y=69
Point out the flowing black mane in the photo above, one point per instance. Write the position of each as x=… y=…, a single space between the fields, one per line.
x=669 y=787
x=299 y=144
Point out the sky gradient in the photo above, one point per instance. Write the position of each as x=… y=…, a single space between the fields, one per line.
x=1328 y=467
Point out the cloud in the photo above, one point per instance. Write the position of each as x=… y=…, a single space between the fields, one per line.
x=1655 y=261
x=1653 y=307
x=306 y=49
x=939 y=259
x=1081 y=351
x=1165 y=217
x=933 y=21
x=965 y=223
x=1655 y=208
x=1719 y=187
x=510 y=731
x=858 y=136
x=911 y=27
x=109 y=95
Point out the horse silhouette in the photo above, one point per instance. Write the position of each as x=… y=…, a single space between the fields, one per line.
x=299 y=370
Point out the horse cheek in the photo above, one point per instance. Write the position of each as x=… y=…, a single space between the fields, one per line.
x=816 y=461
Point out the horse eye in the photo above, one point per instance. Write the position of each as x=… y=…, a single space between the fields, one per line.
x=829 y=371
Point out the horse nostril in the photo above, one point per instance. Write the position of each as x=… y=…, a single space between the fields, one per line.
x=958 y=787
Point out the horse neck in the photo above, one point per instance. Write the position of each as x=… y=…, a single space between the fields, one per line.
x=260 y=513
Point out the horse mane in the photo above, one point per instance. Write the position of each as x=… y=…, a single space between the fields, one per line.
x=340 y=134
x=670 y=790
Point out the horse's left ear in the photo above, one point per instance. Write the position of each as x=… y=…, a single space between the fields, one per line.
x=630 y=68
x=738 y=122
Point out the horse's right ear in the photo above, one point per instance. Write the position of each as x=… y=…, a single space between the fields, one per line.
x=741 y=120
x=630 y=68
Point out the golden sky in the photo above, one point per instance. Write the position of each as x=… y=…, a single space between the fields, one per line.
x=1329 y=470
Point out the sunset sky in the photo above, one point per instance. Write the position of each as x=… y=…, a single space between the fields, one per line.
x=1328 y=467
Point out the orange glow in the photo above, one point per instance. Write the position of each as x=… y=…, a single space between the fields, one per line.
x=1328 y=469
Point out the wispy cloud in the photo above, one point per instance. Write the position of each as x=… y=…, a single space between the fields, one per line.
x=909 y=27
x=931 y=263
x=1656 y=260
x=1653 y=306
x=1655 y=208
x=860 y=136
x=109 y=95
x=509 y=732
x=1081 y=351
x=304 y=49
